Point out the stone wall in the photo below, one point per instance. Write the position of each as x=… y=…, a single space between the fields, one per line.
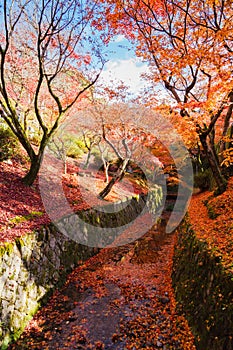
x=102 y=226
x=204 y=291
x=34 y=264
x=30 y=268
x=106 y=225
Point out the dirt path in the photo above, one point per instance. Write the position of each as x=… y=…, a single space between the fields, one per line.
x=120 y=299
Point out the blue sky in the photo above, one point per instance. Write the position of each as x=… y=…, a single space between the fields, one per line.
x=124 y=66
x=120 y=48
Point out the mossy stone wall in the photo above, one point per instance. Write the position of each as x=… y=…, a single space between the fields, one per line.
x=30 y=268
x=204 y=291
x=34 y=264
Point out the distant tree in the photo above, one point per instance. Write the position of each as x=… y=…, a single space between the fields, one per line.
x=91 y=140
x=104 y=153
x=44 y=71
x=124 y=143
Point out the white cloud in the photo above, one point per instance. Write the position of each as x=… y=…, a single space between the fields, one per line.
x=127 y=72
x=117 y=39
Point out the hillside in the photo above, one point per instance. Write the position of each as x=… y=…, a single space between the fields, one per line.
x=212 y=220
x=22 y=209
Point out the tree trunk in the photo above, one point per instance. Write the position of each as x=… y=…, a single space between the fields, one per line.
x=30 y=177
x=223 y=144
x=87 y=160
x=212 y=146
x=118 y=177
x=106 y=167
x=230 y=145
x=108 y=188
x=65 y=164
x=214 y=165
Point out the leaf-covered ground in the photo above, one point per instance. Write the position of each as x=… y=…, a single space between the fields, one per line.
x=212 y=220
x=120 y=299
x=22 y=209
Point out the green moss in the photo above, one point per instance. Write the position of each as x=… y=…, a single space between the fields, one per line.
x=17 y=333
x=9 y=145
x=7 y=339
x=22 y=218
x=6 y=248
x=23 y=241
x=69 y=257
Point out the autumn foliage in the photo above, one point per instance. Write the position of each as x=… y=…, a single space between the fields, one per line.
x=122 y=297
x=188 y=45
x=44 y=72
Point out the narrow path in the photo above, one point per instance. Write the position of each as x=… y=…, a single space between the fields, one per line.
x=120 y=299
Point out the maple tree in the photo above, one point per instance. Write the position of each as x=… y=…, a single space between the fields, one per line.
x=44 y=69
x=188 y=45
x=124 y=144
